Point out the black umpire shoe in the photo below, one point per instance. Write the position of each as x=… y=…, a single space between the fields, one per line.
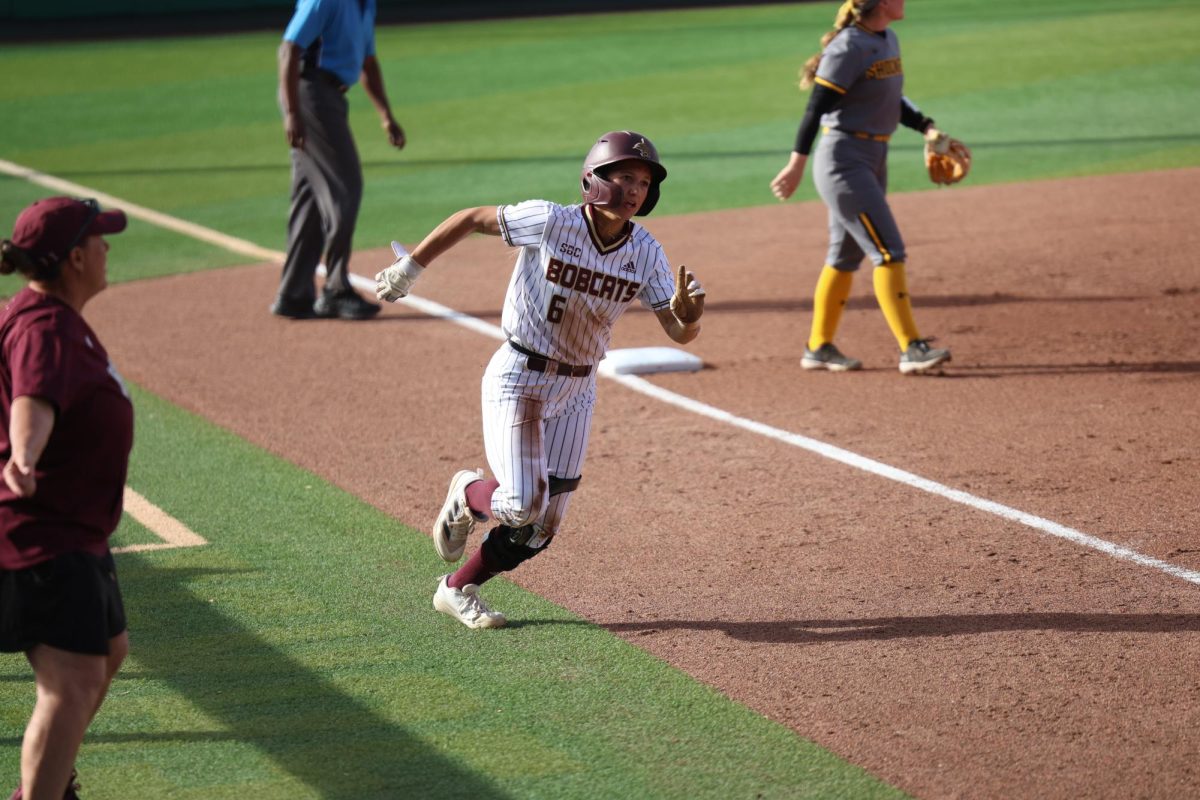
x=292 y=309
x=347 y=305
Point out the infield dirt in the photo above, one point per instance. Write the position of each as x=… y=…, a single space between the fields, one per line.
x=948 y=651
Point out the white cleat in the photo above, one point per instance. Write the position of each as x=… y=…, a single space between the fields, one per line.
x=456 y=520
x=466 y=606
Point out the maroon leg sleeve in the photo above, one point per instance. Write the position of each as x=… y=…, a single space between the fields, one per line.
x=476 y=570
x=479 y=496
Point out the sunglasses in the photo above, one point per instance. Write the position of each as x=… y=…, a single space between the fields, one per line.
x=93 y=212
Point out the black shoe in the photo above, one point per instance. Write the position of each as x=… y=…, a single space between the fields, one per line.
x=71 y=794
x=344 y=306
x=73 y=787
x=284 y=307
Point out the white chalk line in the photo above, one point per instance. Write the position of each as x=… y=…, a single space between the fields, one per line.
x=649 y=389
x=907 y=478
x=146 y=214
x=172 y=532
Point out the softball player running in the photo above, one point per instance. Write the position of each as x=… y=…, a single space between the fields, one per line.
x=578 y=269
x=857 y=95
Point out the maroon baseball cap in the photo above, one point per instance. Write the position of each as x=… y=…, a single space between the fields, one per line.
x=51 y=227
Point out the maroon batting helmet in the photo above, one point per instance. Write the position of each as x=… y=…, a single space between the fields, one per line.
x=612 y=148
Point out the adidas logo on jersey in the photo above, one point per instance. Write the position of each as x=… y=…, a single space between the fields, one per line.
x=628 y=267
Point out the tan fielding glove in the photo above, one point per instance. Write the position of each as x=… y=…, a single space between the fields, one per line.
x=947 y=159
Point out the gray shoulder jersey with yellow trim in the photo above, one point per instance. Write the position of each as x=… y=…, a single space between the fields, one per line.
x=864 y=67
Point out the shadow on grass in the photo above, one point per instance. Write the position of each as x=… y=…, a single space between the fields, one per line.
x=517 y=624
x=265 y=698
x=811 y=631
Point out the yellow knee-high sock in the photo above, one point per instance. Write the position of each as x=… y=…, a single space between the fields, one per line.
x=833 y=287
x=891 y=290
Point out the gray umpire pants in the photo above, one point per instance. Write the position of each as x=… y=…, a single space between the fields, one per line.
x=327 y=188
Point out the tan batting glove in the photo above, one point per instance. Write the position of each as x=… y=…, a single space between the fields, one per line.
x=395 y=282
x=687 y=304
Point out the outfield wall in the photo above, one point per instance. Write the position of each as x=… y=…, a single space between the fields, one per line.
x=133 y=12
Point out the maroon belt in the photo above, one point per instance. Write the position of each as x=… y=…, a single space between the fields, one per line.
x=539 y=363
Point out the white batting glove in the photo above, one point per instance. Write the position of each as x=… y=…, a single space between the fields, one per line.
x=395 y=282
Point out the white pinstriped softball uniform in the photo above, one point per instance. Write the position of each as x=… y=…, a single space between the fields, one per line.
x=567 y=290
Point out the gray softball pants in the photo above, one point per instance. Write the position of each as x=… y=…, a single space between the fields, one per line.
x=851 y=176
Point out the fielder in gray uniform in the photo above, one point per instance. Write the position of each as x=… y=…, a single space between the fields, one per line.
x=578 y=269
x=857 y=96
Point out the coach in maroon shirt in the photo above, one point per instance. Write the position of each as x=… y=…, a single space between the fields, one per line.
x=65 y=437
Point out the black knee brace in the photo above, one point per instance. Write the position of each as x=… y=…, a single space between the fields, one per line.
x=506 y=548
x=559 y=485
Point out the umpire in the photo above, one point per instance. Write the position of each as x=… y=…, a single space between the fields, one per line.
x=327 y=47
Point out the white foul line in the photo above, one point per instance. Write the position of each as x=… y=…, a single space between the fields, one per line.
x=645 y=387
x=172 y=532
x=909 y=479
x=148 y=215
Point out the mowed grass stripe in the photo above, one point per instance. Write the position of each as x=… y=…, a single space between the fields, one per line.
x=297 y=655
x=501 y=111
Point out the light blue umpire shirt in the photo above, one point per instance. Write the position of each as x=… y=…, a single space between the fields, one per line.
x=343 y=32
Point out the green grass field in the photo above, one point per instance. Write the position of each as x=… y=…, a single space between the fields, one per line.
x=296 y=655
x=503 y=111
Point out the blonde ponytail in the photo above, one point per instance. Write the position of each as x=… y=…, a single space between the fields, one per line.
x=849 y=12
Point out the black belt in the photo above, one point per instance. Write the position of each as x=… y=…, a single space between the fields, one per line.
x=325 y=76
x=539 y=363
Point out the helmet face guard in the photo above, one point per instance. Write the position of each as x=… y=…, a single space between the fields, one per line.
x=613 y=148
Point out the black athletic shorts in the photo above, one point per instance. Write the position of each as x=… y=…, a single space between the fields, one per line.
x=71 y=602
